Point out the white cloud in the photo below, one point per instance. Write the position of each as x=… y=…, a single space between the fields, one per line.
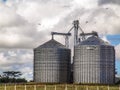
x=8 y=17
x=27 y=73
x=85 y=3
x=18 y=60
x=105 y=39
x=19 y=22
x=117 y=50
x=24 y=22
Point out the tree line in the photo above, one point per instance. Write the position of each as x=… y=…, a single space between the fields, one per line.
x=12 y=77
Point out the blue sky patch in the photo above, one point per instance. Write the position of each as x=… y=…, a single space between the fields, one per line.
x=114 y=39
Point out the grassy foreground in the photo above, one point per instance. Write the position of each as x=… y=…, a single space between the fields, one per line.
x=58 y=87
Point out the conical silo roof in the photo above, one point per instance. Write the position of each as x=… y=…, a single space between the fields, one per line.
x=51 y=44
x=94 y=40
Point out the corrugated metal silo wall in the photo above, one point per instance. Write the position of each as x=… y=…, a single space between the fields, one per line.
x=94 y=64
x=107 y=64
x=52 y=65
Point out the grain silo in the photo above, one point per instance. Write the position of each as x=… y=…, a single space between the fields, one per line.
x=94 y=62
x=52 y=63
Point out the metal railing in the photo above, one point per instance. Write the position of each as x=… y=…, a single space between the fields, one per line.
x=59 y=87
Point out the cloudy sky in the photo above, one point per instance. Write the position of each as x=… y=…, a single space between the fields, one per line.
x=25 y=24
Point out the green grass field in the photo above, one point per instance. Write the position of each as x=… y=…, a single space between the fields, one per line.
x=58 y=87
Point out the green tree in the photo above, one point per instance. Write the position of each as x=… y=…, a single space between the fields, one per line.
x=12 y=74
x=12 y=77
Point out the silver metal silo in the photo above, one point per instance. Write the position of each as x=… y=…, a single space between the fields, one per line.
x=94 y=62
x=52 y=63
